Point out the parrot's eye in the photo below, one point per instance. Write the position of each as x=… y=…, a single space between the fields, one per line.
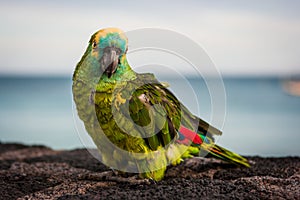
x=94 y=44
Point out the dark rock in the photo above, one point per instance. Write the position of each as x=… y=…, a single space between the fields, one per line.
x=37 y=172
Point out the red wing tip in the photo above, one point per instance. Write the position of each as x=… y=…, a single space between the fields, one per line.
x=190 y=135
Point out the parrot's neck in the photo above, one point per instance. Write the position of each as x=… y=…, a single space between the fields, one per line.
x=87 y=70
x=89 y=74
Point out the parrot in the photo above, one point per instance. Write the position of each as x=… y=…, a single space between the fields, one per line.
x=135 y=121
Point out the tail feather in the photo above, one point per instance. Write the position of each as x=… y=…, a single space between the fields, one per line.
x=226 y=155
x=205 y=142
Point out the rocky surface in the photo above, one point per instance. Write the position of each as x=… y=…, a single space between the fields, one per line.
x=37 y=172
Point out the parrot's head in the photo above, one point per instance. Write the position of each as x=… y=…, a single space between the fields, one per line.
x=107 y=47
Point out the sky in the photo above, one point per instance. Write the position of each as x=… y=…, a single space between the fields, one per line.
x=257 y=37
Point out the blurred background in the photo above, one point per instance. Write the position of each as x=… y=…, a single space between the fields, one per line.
x=254 y=44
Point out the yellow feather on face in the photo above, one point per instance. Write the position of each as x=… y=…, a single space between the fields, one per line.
x=104 y=32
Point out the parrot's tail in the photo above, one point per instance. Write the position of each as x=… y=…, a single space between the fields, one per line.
x=205 y=143
x=226 y=155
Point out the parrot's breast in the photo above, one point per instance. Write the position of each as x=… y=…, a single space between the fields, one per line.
x=99 y=107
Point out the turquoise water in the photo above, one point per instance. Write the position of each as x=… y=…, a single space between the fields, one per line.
x=260 y=119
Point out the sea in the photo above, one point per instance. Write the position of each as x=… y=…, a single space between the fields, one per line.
x=255 y=114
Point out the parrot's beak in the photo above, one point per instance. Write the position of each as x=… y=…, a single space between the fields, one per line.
x=109 y=61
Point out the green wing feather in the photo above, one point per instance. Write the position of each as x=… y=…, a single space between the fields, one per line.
x=151 y=110
x=152 y=102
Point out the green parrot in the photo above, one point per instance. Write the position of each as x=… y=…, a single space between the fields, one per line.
x=137 y=124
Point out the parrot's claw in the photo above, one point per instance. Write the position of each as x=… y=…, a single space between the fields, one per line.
x=152 y=181
x=111 y=177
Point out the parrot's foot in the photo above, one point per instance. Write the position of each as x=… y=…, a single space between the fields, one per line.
x=111 y=176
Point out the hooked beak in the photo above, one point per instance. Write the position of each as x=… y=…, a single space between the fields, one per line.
x=109 y=61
